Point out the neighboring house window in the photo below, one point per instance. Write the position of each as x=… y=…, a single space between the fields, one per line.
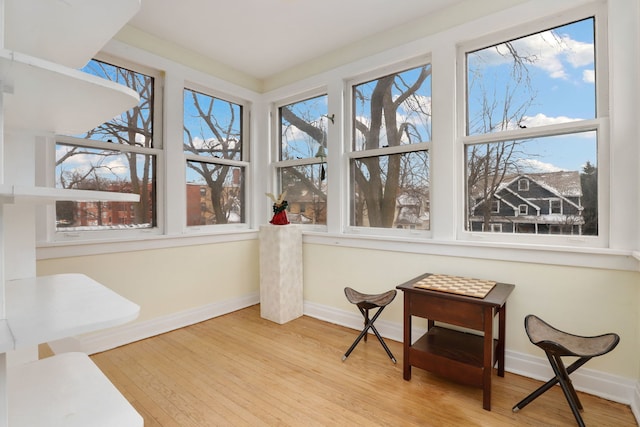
x=555 y=206
x=523 y=184
x=531 y=108
x=523 y=209
x=495 y=206
x=389 y=158
x=215 y=155
x=118 y=156
x=301 y=166
x=495 y=228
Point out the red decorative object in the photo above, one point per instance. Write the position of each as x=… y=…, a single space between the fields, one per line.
x=279 y=210
x=280 y=218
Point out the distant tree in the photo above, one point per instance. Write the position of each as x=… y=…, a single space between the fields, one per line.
x=131 y=128
x=225 y=143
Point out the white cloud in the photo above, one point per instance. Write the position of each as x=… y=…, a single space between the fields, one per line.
x=589 y=76
x=553 y=53
x=542 y=120
x=536 y=166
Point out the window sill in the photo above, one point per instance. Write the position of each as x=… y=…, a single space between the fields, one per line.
x=63 y=249
x=610 y=259
x=565 y=256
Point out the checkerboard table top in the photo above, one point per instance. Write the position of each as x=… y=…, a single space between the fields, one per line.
x=459 y=285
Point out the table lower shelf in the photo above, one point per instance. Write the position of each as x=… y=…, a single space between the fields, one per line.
x=452 y=354
x=67 y=390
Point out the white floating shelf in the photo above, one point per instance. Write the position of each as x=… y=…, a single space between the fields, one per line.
x=45 y=97
x=68 y=32
x=40 y=195
x=48 y=308
x=67 y=390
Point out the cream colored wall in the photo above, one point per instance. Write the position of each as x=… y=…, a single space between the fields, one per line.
x=171 y=280
x=580 y=300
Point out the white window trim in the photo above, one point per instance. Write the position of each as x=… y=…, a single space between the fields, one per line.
x=351 y=154
x=243 y=163
x=599 y=124
x=277 y=164
x=47 y=232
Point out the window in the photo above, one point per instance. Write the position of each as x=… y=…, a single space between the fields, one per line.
x=301 y=169
x=495 y=228
x=215 y=159
x=389 y=161
x=523 y=184
x=532 y=130
x=119 y=156
x=523 y=209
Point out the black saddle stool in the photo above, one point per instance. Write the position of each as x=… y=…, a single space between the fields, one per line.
x=366 y=302
x=557 y=344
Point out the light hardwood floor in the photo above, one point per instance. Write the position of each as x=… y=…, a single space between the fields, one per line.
x=241 y=370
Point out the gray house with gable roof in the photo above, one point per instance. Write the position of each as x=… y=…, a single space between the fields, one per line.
x=539 y=203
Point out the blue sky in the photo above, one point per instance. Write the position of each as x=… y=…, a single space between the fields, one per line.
x=559 y=66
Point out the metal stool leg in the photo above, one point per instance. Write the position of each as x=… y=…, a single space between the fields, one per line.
x=567 y=387
x=369 y=325
x=553 y=381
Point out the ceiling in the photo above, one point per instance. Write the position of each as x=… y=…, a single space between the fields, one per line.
x=262 y=38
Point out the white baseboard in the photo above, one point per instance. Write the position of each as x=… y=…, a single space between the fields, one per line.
x=125 y=334
x=612 y=387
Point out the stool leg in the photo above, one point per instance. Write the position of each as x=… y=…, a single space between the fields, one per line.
x=365 y=313
x=384 y=344
x=363 y=334
x=355 y=343
x=567 y=387
x=553 y=381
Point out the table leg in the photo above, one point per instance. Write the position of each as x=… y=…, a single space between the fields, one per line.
x=406 y=367
x=502 y=322
x=487 y=358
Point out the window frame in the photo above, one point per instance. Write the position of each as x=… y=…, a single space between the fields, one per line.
x=599 y=124
x=243 y=163
x=54 y=235
x=350 y=154
x=277 y=164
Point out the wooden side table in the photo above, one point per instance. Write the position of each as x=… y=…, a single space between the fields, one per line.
x=464 y=357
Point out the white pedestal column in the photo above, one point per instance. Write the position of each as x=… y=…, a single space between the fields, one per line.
x=280 y=272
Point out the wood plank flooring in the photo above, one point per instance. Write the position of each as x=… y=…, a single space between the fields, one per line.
x=241 y=370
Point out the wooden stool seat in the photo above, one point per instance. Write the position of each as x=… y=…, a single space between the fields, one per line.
x=366 y=302
x=557 y=344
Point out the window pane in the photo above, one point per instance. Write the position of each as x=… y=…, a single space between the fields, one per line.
x=561 y=194
x=541 y=79
x=215 y=194
x=303 y=129
x=133 y=127
x=393 y=110
x=212 y=126
x=306 y=193
x=103 y=170
x=391 y=191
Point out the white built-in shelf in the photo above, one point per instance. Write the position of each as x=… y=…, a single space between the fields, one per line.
x=42 y=195
x=49 y=308
x=42 y=97
x=68 y=32
x=67 y=390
